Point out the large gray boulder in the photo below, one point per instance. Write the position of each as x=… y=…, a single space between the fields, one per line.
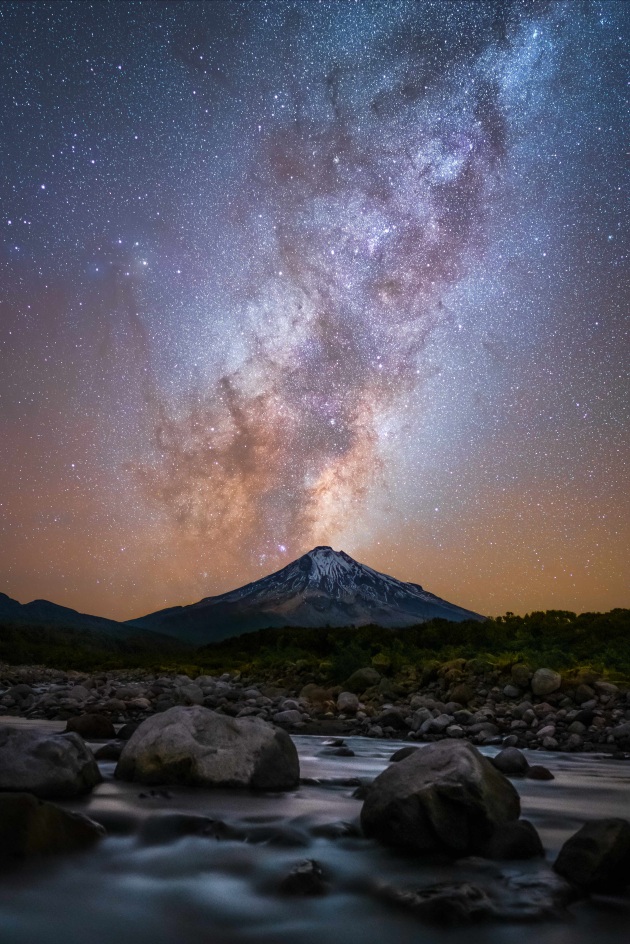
x=200 y=747
x=48 y=765
x=444 y=797
x=29 y=826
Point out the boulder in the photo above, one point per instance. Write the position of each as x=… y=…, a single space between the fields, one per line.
x=199 y=747
x=348 y=703
x=516 y=840
x=419 y=717
x=462 y=693
x=110 y=751
x=362 y=679
x=189 y=694
x=445 y=797
x=48 y=765
x=127 y=730
x=511 y=691
x=545 y=681
x=78 y=693
x=583 y=693
x=597 y=857
x=437 y=725
x=290 y=716
x=511 y=762
x=92 y=726
x=29 y=826
x=392 y=718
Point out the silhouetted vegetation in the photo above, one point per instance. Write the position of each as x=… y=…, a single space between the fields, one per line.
x=555 y=638
x=70 y=648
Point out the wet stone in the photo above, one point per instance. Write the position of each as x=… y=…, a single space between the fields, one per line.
x=305 y=879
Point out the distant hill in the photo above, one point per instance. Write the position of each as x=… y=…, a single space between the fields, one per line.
x=45 y=613
x=45 y=632
x=321 y=588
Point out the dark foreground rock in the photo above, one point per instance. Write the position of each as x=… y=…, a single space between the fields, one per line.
x=31 y=827
x=199 y=747
x=48 y=765
x=517 y=840
x=446 y=797
x=511 y=762
x=538 y=772
x=110 y=751
x=513 y=898
x=305 y=879
x=597 y=857
x=92 y=726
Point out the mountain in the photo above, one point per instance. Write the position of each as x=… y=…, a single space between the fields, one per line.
x=321 y=588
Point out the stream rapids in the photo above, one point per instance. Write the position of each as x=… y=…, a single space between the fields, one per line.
x=145 y=882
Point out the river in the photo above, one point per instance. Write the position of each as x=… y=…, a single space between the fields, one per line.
x=146 y=883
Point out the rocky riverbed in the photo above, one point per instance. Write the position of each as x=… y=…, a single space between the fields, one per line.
x=519 y=706
x=178 y=864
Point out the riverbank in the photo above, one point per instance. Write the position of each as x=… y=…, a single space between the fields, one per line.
x=515 y=706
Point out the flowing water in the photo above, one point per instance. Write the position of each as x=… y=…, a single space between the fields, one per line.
x=145 y=882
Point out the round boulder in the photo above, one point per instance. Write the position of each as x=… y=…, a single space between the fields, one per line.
x=444 y=797
x=348 y=703
x=516 y=840
x=48 y=765
x=199 y=747
x=511 y=762
x=545 y=681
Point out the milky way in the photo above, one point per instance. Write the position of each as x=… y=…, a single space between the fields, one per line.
x=280 y=274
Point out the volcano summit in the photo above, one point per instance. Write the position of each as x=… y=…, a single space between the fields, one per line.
x=321 y=588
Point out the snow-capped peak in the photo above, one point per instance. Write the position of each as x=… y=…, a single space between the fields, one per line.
x=324 y=587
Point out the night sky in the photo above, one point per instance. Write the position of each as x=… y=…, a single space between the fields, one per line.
x=279 y=274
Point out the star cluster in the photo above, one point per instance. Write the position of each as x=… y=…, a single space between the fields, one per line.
x=276 y=274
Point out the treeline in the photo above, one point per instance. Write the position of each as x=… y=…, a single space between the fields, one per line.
x=555 y=638
x=86 y=650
